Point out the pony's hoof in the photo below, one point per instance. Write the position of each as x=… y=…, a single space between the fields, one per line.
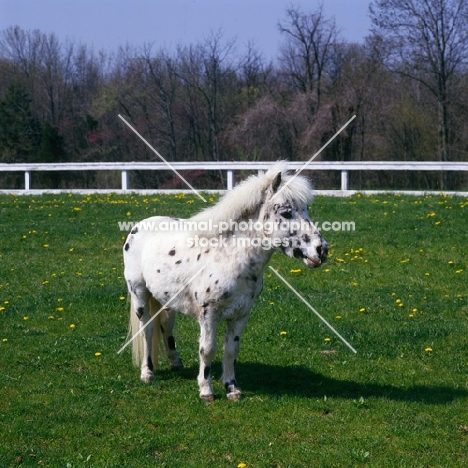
x=234 y=396
x=177 y=367
x=147 y=378
x=207 y=398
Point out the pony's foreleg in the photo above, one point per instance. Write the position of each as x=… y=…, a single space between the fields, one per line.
x=232 y=339
x=207 y=353
x=167 y=321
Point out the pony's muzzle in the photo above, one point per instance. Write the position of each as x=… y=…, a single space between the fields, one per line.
x=316 y=255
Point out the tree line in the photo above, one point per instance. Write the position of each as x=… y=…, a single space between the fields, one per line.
x=407 y=83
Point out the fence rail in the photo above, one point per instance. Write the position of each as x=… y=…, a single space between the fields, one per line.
x=230 y=167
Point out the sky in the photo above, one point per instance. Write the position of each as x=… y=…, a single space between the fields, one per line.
x=108 y=24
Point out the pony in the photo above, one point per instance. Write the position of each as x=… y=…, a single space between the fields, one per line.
x=210 y=266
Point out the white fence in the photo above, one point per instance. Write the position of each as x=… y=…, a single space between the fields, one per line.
x=230 y=167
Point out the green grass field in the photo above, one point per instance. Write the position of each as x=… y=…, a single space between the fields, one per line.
x=396 y=288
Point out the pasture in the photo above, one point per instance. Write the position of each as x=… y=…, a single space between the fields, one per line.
x=395 y=287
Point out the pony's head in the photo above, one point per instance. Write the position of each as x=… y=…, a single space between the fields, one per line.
x=286 y=219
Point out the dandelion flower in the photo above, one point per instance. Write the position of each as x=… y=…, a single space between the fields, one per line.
x=338 y=317
x=25 y=317
x=72 y=326
x=5 y=340
x=122 y=298
x=45 y=246
x=97 y=354
x=428 y=350
x=2 y=308
x=362 y=309
x=327 y=339
x=241 y=465
x=296 y=271
x=282 y=333
x=59 y=309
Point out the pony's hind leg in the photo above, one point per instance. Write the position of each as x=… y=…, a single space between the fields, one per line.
x=141 y=306
x=167 y=321
x=207 y=353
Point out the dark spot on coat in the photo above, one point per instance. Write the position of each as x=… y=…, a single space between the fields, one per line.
x=158 y=271
x=254 y=278
x=198 y=256
x=134 y=230
x=206 y=372
x=236 y=338
x=196 y=295
x=127 y=246
x=172 y=252
x=140 y=311
x=298 y=254
x=207 y=251
x=171 y=343
x=208 y=290
x=178 y=262
x=217 y=281
x=306 y=238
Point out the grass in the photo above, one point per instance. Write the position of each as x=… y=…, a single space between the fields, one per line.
x=396 y=288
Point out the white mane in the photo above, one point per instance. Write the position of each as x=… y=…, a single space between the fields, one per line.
x=246 y=198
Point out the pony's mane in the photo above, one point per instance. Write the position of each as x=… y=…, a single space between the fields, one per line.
x=247 y=196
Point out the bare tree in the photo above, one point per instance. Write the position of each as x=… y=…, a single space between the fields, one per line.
x=427 y=42
x=309 y=47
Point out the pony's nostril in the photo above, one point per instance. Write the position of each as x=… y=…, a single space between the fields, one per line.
x=319 y=250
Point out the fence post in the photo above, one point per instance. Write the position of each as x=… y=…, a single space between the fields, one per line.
x=124 y=180
x=230 y=179
x=344 y=180
x=27 y=180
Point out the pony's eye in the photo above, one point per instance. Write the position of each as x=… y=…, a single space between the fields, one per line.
x=286 y=214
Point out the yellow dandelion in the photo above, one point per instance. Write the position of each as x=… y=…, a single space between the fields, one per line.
x=428 y=350
x=327 y=270
x=272 y=303
x=282 y=333
x=295 y=271
x=406 y=260
x=411 y=315
x=25 y=317
x=241 y=465
x=450 y=262
x=71 y=249
x=59 y=309
x=458 y=271
x=338 y=317
x=97 y=354
x=400 y=304
x=414 y=310
x=2 y=308
x=51 y=317
x=122 y=298
x=45 y=246
x=72 y=326
x=362 y=309
x=398 y=301
x=427 y=274
x=327 y=339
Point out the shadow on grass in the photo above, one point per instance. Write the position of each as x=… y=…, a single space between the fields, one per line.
x=267 y=379
x=301 y=381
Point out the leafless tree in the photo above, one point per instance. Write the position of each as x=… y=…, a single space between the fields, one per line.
x=427 y=41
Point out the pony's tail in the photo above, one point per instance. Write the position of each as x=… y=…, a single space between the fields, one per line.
x=138 y=347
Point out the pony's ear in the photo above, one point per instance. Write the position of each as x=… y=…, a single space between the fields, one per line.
x=276 y=183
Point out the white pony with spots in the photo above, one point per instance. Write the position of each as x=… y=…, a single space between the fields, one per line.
x=212 y=268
